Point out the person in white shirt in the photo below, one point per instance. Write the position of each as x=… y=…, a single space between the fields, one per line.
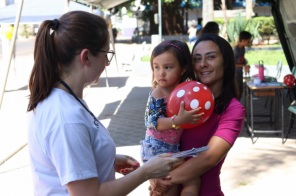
x=192 y=31
x=71 y=152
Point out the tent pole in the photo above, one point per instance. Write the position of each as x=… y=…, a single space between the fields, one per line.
x=159 y=21
x=11 y=50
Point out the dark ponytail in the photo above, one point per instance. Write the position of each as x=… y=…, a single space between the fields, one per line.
x=45 y=70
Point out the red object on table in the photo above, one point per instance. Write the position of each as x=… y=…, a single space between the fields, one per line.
x=289 y=80
x=194 y=94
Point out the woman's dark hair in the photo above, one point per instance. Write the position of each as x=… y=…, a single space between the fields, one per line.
x=229 y=89
x=181 y=52
x=57 y=43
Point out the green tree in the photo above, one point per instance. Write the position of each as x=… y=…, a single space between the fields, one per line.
x=267 y=28
x=173 y=13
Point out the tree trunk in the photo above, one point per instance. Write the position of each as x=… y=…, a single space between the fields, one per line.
x=249 y=9
x=224 y=29
x=207 y=11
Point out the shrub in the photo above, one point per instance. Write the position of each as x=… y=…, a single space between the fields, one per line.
x=260 y=27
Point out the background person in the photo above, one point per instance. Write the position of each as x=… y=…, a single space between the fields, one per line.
x=171 y=65
x=114 y=33
x=213 y=61
x=210 y=27
x=71 y=152
x=192 y=30
x=6 y=33
x=240 y=60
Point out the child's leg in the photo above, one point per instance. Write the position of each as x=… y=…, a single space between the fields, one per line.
x=191 y=188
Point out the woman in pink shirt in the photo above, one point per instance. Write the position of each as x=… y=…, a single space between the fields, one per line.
x=214 y=66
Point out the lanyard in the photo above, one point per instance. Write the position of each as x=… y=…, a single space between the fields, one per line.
x=96 y=121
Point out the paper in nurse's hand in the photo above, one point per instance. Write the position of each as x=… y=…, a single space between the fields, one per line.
x=190 y=153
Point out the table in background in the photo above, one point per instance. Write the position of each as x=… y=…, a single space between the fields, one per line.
x=265 y=89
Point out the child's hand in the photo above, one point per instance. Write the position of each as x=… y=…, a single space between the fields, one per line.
x=185 y=117
x=125 y=164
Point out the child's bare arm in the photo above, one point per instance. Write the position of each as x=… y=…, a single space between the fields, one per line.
x=183 y=117
x=191 y=188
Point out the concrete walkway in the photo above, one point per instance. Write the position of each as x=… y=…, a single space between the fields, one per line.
x=266 y=167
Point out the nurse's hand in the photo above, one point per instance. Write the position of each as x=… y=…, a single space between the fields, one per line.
x=125 y=164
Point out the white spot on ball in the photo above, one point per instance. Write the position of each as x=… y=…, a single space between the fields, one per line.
x=196 y=89
x=180 y=93
x=207 y=105
x=194 y=104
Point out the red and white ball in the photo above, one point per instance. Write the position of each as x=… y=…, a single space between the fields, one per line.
x=194 y=94
x=289 y=80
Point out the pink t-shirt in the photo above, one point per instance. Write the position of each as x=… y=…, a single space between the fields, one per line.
x=226 y=126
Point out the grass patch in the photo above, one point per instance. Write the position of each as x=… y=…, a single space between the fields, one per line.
x=269 y=57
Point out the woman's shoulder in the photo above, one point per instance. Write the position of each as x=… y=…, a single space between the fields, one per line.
x=235 y=106
x=61 y=103
x=234 y=102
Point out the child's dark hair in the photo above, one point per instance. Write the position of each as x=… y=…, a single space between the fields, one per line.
x=244 y=35
x=181 y=52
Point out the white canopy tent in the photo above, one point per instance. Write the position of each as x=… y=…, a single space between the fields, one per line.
x=104 y=4
x=36 y=11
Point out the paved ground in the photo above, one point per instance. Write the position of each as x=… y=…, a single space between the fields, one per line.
x=266 y=167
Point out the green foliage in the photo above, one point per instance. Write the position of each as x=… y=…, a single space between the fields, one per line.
x=219 y=21
x=168 y=1
x=231 y=31
x=24 y=31
x=173 y=22
x=195 y=4
x=240 y=23
x=253 y=27
x=235 y=26
x=267 y=27
x=260 y=27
